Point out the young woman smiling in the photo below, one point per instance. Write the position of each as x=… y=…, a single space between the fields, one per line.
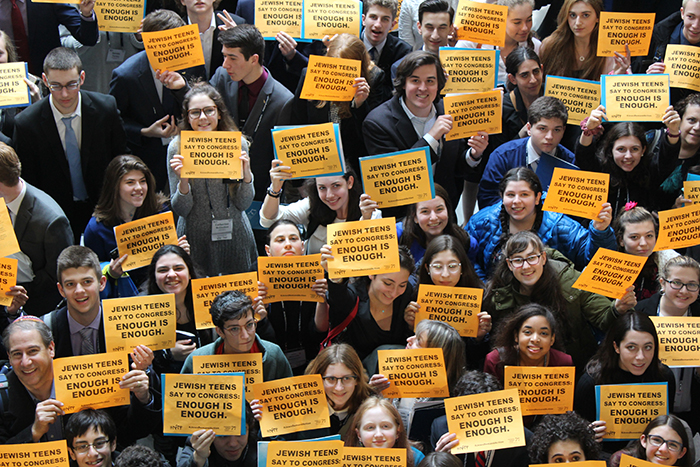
x=667 y=440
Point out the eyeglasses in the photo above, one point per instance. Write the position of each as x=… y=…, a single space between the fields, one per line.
x=658 y=441
x=236 y=330
x=519 y=262
x=196 y=113
x=678 y=285
x=452 y=268
x=344 y=380
x=57 y=87
x=85 y=447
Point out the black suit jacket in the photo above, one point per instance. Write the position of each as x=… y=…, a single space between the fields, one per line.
x=44 y=162
x=394 y=49
x=133 y=87
x=61 y=333
x=43 y=231
x=388 y=129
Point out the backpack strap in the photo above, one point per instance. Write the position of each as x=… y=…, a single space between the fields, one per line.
x=333 y=333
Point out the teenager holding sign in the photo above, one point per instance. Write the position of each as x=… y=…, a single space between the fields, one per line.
x=520 y=209
x=530 y=274
x=667 y=440
x=563 y=438
x=525 y=77
x=212 y=211
x=629 y=354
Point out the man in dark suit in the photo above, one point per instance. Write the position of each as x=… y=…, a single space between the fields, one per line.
x=42 y=230
x=378 y=19
x=150 y=115
x=42 y=21
x=66 y=140
x=415 y=118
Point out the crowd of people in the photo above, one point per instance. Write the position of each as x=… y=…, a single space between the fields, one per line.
x=99 y=146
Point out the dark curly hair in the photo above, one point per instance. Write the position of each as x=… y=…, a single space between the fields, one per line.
x=568 y=426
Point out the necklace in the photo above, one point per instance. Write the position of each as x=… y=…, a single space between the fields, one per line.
x=582 y=58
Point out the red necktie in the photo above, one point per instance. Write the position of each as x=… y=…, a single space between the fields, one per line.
x=480 y=459
x=19 y=32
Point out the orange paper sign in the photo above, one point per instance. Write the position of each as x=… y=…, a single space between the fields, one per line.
x=204 y=291
x=174 y=49
x=363 y=247
x=48 y=454
x=579 y=96
x=627 y=409
x=398 y=178
x=543 y=390
x=290 y=277
x=619 y=29
x=275 y=16
x=577 y=193
x=610 y=272
x=8 y=239
x=635 y=98
x=469 y=70
x=483 y=23
x=248 y=363
x=15 y=92
x=414 y=372
x=330 y=78
x=119 y=15
x=140 y=239
x=330 y=17
x=678 y=340
x=474 y=112
x=678 y=228
x=211 y=154
x=310 y=150
x=288 y=453
x=683 y=66
x=456 y=306
x=8 y=279
x=374 y=457
x=149 y=320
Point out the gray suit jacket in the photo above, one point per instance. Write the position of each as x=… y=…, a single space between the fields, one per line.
x=43 y=231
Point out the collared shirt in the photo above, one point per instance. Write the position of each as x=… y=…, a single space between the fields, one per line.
x=76 y=123
x=14 y=205
x=254 y=89
x=6 y=17
x=76 y=340
x=420 y=124
x=207 y=38
x=369 y=46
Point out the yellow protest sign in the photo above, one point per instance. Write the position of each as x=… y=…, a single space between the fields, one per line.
x=691 y=190
x=482 y=23
x=330 y=78
x=330 y=17
x=456 y=306
x=678 y=340
x=363 y=247
x=375 y=457
x=205 y=290
x=474 y=112
x=469 y=70
x=290 y=277
x=609 y=273
x=91 y=381
x=414 y=372
x=578 y=95
x=15 y=92
x=8 y=279
x=211 y=154
x=629 y=461
x=683 y=66
x=543 y=390
x=627 y=409
x=310 y=150
x=203 y=402
x=48 y=454
x=619 y=29
x=140 y=239
x=248 y=363
x=578 y=464
x=328 y=453
x=149 y=320
x=678 y=228
x=174 y=49
x=491 y=420
x=398 y=178
x=119 y=15
x=635 y=98
x=8 y=239
x=292 y=404
x=577 y=193
x=275 y=16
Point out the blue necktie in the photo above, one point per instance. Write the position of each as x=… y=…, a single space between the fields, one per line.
x=73 y=156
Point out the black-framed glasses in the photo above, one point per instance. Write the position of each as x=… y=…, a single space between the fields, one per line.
x=658 y=441
x=196 y=113
x=344 y=380
x=58 y=87
x=532 y=260
x=678 y=285
x=85 y=447
x=236 y=330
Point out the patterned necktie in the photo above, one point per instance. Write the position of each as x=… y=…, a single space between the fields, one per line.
x=86 y=346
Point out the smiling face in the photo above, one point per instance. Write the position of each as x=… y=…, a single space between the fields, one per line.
x=534 y=339
x=521 y=201
x=676 y=302
x=691 y=21
x=377 y=429
x=132 y=190
x=93 y=457
x=385 y=288
x=690 y=125
x=172 y=275
x=435 y=28
x=432 y=216
x=445 y=269
x=627 y=152
x=231 y=447
x=639 y=239
x=546 y=134
x=377 y=22
x=81 y=288
x=528 y=79
x=31 y=361
x=65 y=100
x=528 y=274
x=662 y=454
x=582 y=19
x=339 y=394
x=636 y=352
x=203 y=122
x=334 y=193
x=568 y=450
x=421 y=88
x=519 y=22
x=285 y=241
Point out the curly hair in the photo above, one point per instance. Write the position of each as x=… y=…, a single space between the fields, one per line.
x=564 y=427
